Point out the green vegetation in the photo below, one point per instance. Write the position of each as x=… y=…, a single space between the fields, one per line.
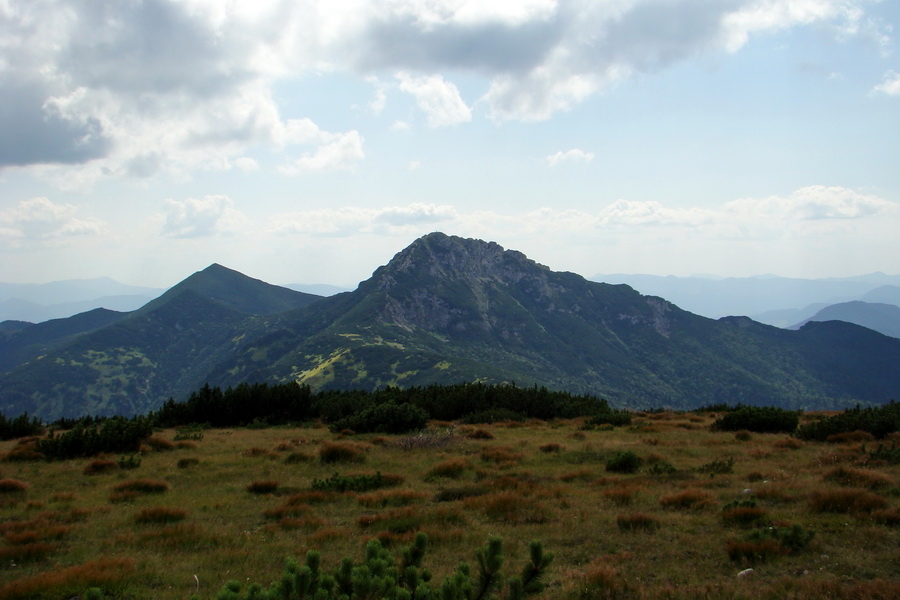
x=878 y=421
x=758 y=419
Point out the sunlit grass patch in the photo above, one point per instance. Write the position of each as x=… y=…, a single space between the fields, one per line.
x=452 y=468
x=342 y=452
x=689 y=499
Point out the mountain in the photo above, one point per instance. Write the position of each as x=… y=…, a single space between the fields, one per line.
x=61 y=299
x=448 y=310
x=886 y=294
x=754 y=296
x=883 y=318
x=319 y=289
x=129 y=366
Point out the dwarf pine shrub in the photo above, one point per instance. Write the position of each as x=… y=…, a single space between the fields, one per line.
x=758 y=419
x=381 y=575
x=362 y=482
x=624 y=462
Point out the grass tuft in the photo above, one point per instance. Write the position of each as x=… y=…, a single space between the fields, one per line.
x=689 y=499
x=160 y=515
x=637 y=522
x=12 y=486
x=342 y=452
x=263 y=487
x=845 y=500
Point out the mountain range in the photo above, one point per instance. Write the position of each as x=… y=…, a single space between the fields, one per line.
x=443 y=310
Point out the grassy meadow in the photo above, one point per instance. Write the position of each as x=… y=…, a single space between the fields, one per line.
x=663 y=508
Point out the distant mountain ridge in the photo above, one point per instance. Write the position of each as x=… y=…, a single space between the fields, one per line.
x=883 y=318
x=448 y=310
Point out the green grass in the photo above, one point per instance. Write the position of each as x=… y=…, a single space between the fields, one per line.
x=186 y=531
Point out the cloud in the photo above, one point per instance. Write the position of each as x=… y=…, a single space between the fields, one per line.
x=195 y=218
x=159 y=87
x=349 y=220
x=340 y=153
x=41 y=219
x=573 y=155
x=890 y=86
x=438 y=99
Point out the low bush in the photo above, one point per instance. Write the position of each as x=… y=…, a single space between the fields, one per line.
x=185 y=463
x=160 y=515
x=718 y=467
x=113 y=435
x=18 y=427
x=159 y=443
x=758 y=419
x=383 y=498
x=296 y=458
x=263 y=487
x=624 y=462
x=387 y=417
x=879 y=421
x=743 y=513
x=550 y=448
x=383 y=576
x=620 y=495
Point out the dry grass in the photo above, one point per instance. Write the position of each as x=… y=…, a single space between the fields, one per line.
x=342 y=452
x=845 y=500
x=160 y=515
x=266 y=486
x=66 y=582
x=644 y=536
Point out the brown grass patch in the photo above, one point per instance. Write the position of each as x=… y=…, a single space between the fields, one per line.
x=887 y=516
x=296 y=458
x=502 y=455
x=342 y=452
x=159 y=443
x=101 y=465
x=864 y=478
x=753 y=552
x=257 y=452
x=480 y=434
x=383 y=498
x=600 y=581
x=287 y=511
x=12 y=486
x=552 y=447
x=29 y=552
x=689 y=499
x=452 y=468
x=508 y=507
x=788 y=444
x=160 y=515
x=774 y=492
x=578 y=475
x=637 y=522
x=845 y=500
x=267 y=486
x=850 y=437
x=305 y=523
x=186 y=463
x=312 y=497
x=71 y=581
x=620 y=495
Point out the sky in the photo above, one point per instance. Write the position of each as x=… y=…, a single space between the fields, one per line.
x=309 y=142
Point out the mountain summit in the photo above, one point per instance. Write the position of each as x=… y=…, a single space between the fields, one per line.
x=448 y=310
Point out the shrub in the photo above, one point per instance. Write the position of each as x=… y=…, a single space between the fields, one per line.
x=690 y=499
x=18 y=427
x=879 y=421
x=428 y=438
x=12 y=486
x=850 y=437
x=549 y=448
x=788 y=444
x=758 y=419
x=112 y=435
x=341 y=452
x=262 y=487
x=296 y=458
x=160 y=515
x=883 y=454
x=387 y=417
x=383 y=498
x=131 y=462
x=460 y=493
x=766 y=543
x=753 y=551
x=637 y=522
x=184 y=463
x=160 y=444
x=101 y=465
x=624 y=462
x=845 y=500
x=743 y=513
x=718 y=466
x=743 y=436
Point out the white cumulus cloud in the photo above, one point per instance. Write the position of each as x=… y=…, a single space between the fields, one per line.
x=201 y=217
x=437 y=98
x=573 y=155
x=40 y=218
x=890 y=85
